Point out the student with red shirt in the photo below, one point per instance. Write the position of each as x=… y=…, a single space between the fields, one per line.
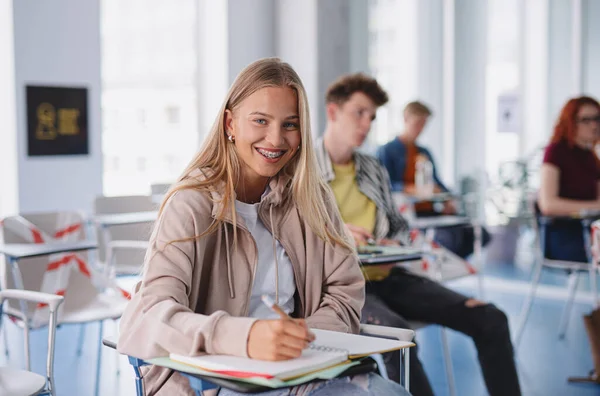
x=570 y=177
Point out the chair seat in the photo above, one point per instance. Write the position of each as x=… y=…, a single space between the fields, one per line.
x=20 y=382
x=104 y=306
x=566 y=265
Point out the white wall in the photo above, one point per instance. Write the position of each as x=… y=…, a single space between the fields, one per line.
x=591 y=48
x=333 y=42
x=9 y=198
x=58 y=43
x=295 y=41
x=560 y=81
x=535 y=85
x=251 y=31
x=469 y=89
x=429 y=70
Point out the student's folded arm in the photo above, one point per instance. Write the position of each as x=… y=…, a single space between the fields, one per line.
x=158 y=320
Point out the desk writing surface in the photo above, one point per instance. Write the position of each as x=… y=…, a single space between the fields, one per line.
x=27 y=250
x=109 y=220
x=439 y=221
x=435 y=197
x=373 y=255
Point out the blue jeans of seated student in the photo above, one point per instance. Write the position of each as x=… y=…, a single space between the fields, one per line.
x=564 y=241
x=359 y=385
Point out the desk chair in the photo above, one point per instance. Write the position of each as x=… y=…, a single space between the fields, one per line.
x=201 y=385
x=122 y=248
x=84 y=301
x=23 y=382
x=573 y=268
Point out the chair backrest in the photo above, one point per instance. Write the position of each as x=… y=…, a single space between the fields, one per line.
x=133 y=232
x=159 y=188
x=36 y=275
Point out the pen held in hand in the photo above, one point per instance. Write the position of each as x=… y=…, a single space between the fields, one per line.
x=268 y=301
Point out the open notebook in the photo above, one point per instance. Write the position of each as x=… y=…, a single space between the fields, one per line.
x=329 y=349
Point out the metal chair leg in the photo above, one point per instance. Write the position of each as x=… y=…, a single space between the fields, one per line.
x=405 y=355
x=380 y=364
x=117 y=355
x=564 y=320
x=99 y=364
x=139 y=378
x=478 y=255
x=448 y=362
x=5 y=335
x=81 y=338
x=528 y=303
x=593 y=284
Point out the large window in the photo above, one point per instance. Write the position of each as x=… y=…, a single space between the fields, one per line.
x=503 y=94
x=149 y=98
x=393 y=61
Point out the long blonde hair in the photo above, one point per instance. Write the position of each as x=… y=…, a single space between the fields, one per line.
x=308 y=189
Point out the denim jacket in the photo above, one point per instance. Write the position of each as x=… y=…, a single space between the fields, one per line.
x=392 y=156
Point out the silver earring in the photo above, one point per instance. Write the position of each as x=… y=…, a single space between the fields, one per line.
x=231 y=138
x=298 y=147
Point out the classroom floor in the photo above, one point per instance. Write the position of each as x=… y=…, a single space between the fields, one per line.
x=544 y=361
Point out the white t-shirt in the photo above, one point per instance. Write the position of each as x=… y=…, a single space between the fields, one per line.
x=264 y=279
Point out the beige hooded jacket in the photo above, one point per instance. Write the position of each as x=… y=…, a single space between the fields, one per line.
x=194 y=295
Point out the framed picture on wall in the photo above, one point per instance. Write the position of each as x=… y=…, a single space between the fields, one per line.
x=57 y=121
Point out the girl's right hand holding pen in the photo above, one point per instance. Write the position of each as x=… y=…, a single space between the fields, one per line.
x=279 y=339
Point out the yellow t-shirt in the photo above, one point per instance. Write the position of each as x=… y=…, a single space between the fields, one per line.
x=356 y=208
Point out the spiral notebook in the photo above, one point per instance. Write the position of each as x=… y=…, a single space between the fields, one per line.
x=330 y=348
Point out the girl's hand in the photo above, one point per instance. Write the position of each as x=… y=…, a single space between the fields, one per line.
x=280 y=339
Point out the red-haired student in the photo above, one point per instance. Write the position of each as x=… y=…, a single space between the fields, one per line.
x=570 y=177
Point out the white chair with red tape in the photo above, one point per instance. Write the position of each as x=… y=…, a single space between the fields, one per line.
x=89 y=296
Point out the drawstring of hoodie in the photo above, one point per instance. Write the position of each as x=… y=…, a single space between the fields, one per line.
x=229 y=275
x=228 y=258
x=274 y=255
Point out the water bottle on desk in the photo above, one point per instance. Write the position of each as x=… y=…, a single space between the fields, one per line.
x=424 y=183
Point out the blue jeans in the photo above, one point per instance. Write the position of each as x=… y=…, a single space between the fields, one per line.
x=564 y=241
x=358 y=385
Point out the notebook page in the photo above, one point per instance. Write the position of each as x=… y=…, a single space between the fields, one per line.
x=310 y=360
x=357 y=345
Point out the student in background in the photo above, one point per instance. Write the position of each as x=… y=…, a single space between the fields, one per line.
x=362 y=191
x=400 y=157
x=249 y=216
x=570 y=177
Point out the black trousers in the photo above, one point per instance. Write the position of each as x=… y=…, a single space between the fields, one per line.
x=403 y=296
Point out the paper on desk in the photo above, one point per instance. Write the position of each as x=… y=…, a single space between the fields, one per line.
x=271 y=383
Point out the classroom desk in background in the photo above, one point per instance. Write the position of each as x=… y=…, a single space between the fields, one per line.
x=111 y=220
x=17 y=251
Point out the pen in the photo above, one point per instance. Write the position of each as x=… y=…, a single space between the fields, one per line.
x=268 y=301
